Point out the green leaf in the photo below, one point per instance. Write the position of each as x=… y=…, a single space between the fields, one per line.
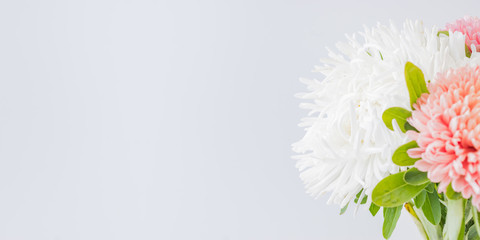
x=443 y=32
x=468 y=52
x=409 y=127
x=430 y=188
x=390 y=216
x=393 y=191
x=373 y=209
x=472 y=234
x=397 y=113
x=400 y=156
x=414 y=176
x=364 y=199
x=444 y=213
x=476 y=219
x=419 y=200
x=451 y=194
x=415 y=82
x=344 y=209
x=468 y=214
x=431 y=208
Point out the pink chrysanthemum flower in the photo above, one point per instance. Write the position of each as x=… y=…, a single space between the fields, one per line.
x=470 y=26
x=448 y=121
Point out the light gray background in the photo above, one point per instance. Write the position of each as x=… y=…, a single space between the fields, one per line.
x=171 y=120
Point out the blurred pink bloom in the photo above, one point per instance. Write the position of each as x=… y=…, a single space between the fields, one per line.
x=470 y=26
x=448 y=121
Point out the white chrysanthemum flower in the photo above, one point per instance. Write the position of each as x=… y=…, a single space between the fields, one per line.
x=346 y=147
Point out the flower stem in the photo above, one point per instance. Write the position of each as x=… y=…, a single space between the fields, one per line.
x=409 y=208
x=455 y=222
x=427 y=229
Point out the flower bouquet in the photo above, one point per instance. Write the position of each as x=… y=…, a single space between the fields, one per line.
x=395 y=124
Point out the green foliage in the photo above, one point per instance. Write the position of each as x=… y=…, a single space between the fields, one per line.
x=443 y=32
x=344 y=209
x=415 y=82
x=409 y=127
x=432 y=209
x=430 y=188
x=472 y=234
x=476 y=219
x=468 y=52
x=397 y=113
x=400 y=156
x=468 y=213
x=364 y=199
x=390 y=218
x=419 y=200
x=393 y=191
x=373 y=209
x=414 y=176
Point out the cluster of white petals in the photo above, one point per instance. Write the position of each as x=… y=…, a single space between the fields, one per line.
x=347 y=147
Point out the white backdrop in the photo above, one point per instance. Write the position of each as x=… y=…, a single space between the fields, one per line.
x=171 y=119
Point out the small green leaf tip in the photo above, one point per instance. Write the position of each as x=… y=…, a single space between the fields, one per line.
x=373 y=209
x=401 y=157
x=415 y=177
x=468 y=52
x=415 y=82
x=409 y=127
x=399 y=114
x=443 y=32
x=344 y=209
